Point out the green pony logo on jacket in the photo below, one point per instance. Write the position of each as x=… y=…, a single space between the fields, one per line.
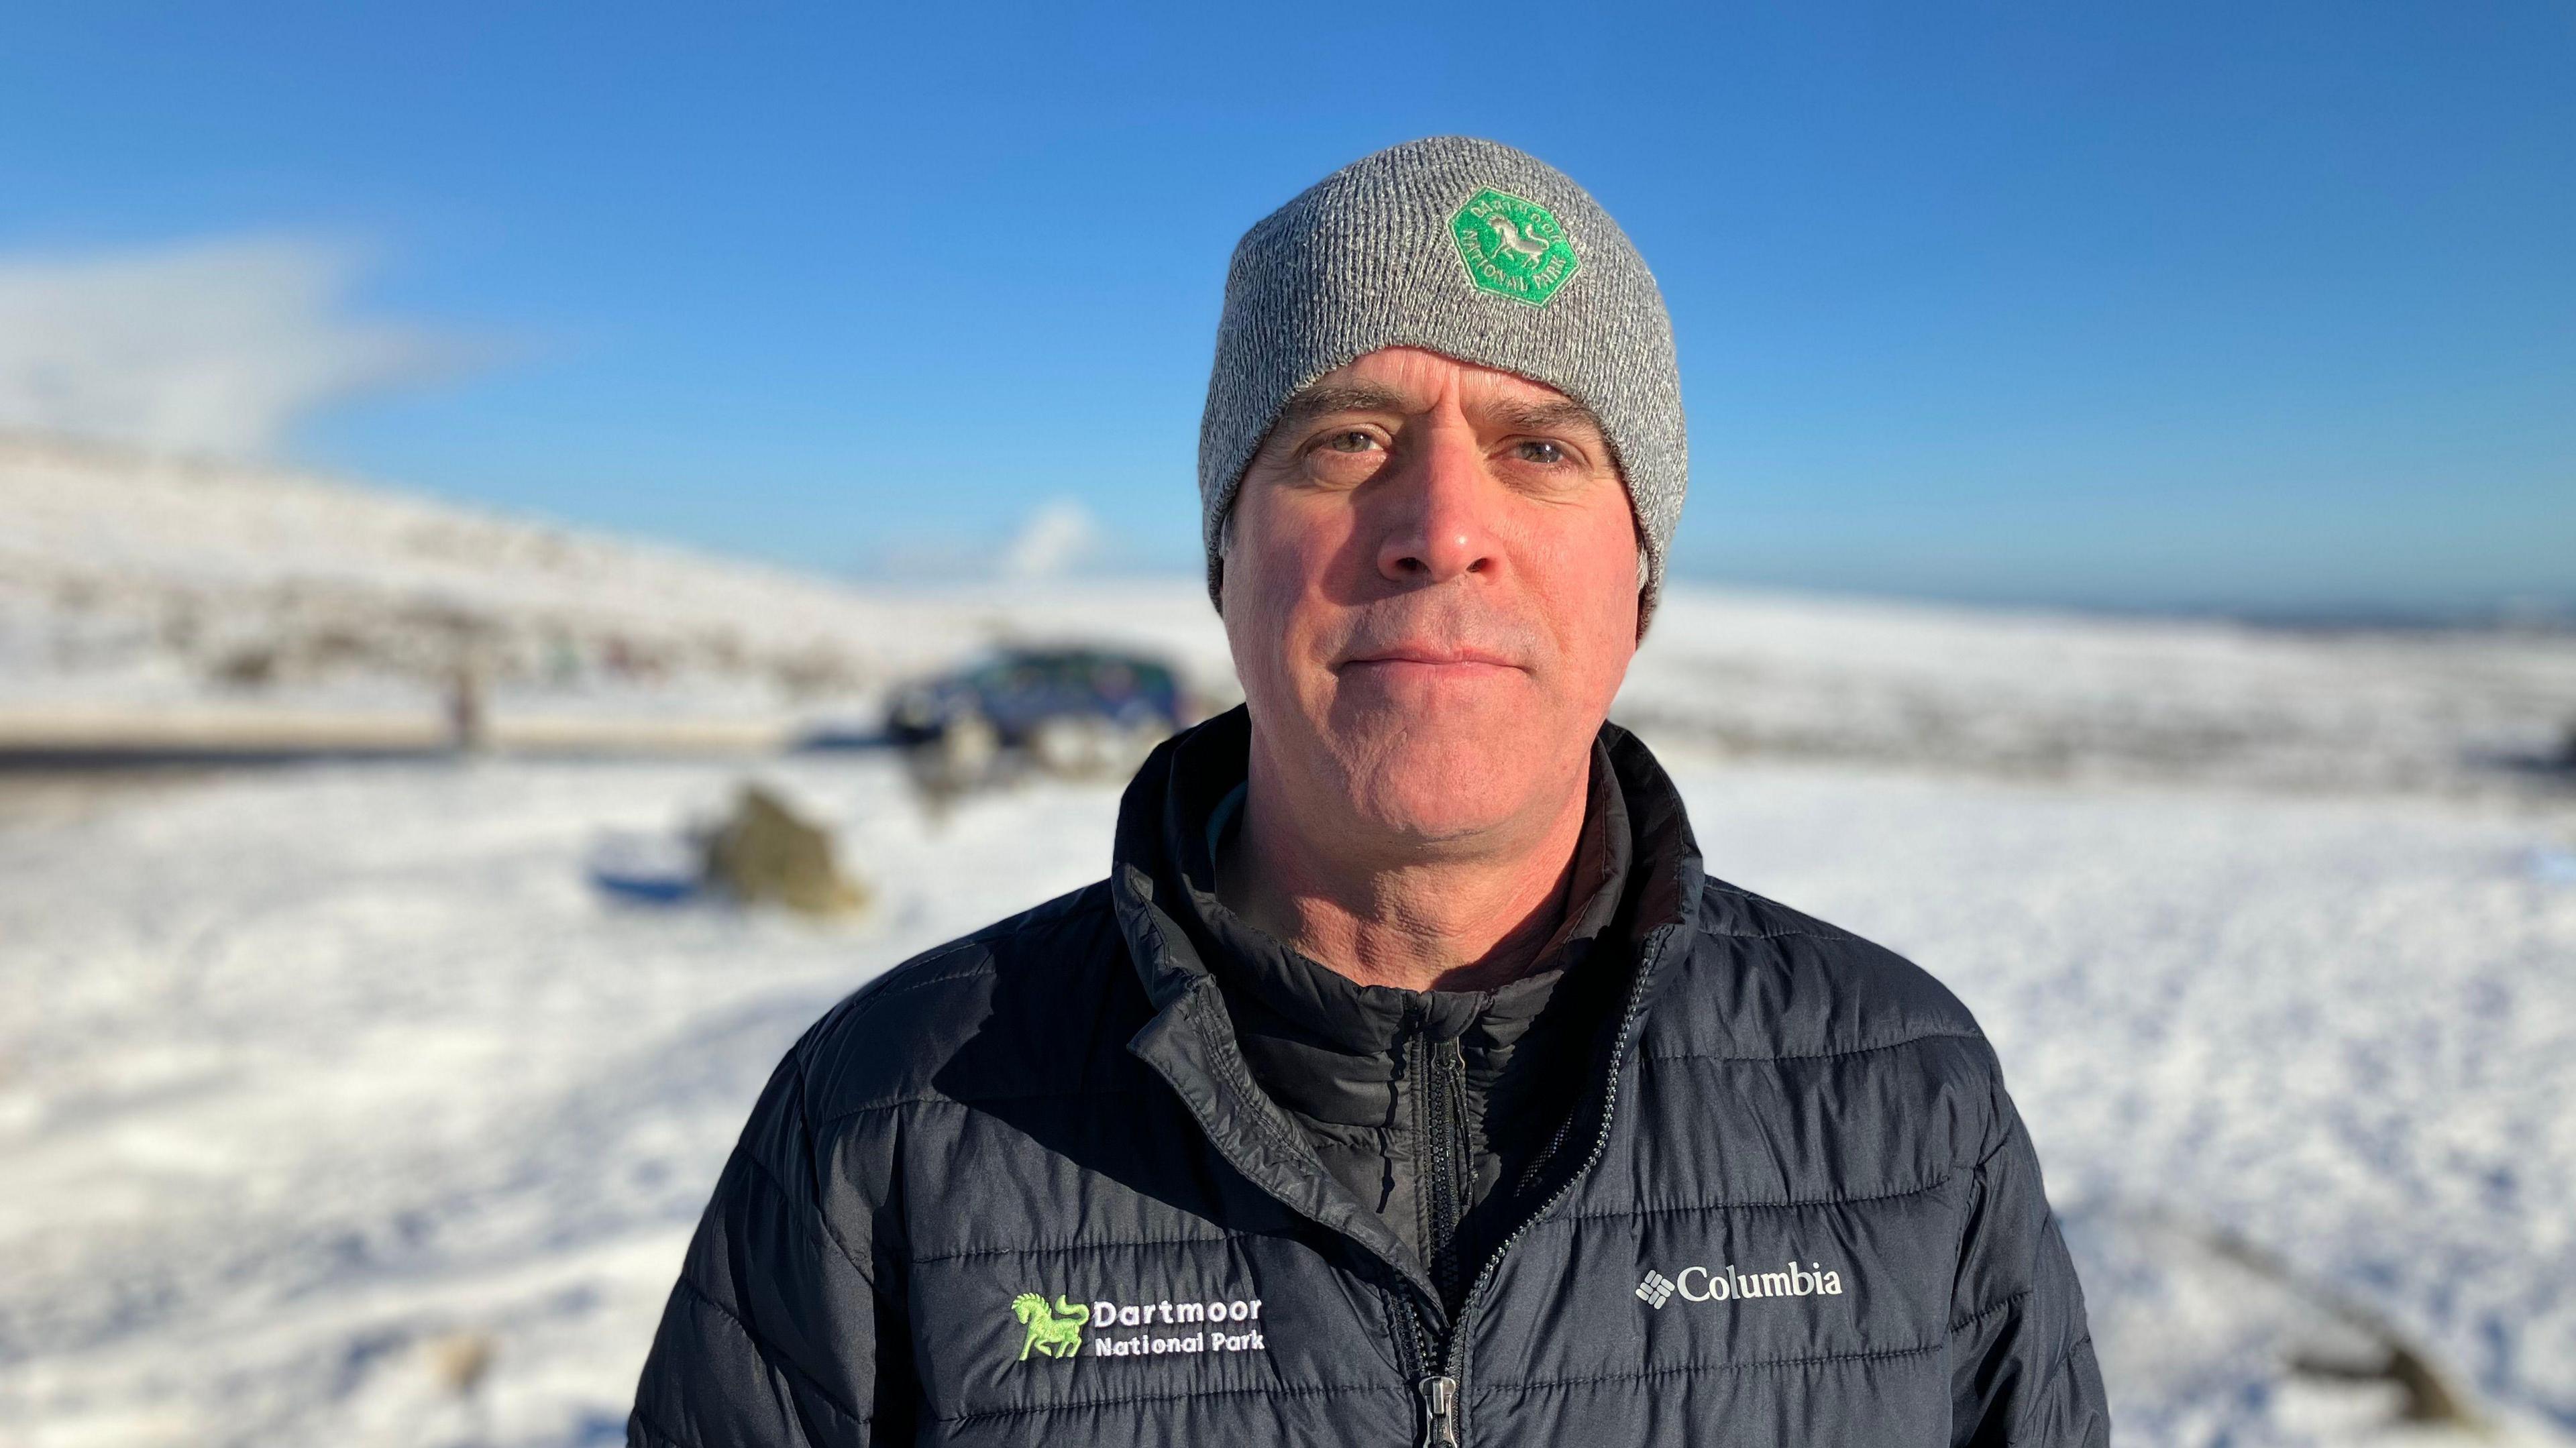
x=1053 y=1331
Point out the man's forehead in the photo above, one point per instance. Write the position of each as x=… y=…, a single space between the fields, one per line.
x=1404 y=381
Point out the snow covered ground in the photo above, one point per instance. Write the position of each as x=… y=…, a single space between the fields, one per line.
x=312 y=1078
x=309 y=1071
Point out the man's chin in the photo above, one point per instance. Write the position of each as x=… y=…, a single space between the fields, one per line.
x=1432 y=708
x=1446 y=778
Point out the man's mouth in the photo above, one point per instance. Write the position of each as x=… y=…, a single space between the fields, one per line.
x=1463 y=659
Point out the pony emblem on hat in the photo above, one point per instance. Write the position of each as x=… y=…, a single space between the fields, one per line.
x=1513 y=247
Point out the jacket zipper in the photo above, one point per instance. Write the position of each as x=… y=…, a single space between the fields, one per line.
x=1444 y=1089
x=1439 y=1412
x=1438 y=1391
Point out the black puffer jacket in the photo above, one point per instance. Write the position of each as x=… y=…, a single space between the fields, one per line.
x=1024 y=1190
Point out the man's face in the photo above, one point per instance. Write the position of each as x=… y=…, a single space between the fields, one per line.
x=1431 y=594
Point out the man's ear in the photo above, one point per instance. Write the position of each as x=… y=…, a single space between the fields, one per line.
x=1645 y=577
x=1224 y=549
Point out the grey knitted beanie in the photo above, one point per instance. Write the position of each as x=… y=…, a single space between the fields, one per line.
x=1470 y=249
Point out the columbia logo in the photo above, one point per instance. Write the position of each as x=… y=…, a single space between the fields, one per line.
x=1725 y=1284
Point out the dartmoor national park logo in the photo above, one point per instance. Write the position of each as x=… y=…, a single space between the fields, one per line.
x=1512 y=247
x=1725 y=1284
x=1162 y=1328
x=1053 y=1331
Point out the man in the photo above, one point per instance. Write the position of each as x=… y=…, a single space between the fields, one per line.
x=1406 y=1079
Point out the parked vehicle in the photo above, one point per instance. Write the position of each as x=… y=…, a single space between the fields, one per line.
x=1068 y=711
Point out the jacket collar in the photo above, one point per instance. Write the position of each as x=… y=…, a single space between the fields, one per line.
x=1162 y=842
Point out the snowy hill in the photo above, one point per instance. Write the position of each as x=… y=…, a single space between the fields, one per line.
x=2073 y=696
x=129 y=580
x=125 y=577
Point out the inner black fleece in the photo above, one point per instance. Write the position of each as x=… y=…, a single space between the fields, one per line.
x=1350 y=1063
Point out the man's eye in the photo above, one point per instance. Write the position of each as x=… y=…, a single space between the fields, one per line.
x=1539 y=450
x=1349 y=442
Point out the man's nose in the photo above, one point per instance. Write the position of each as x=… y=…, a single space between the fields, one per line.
x=1439 y=526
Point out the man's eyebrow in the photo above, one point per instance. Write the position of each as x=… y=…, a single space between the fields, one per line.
x=1325 y=399
x=1565 y=415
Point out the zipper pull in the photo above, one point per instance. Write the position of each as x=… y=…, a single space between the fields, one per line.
x=1439 y=1412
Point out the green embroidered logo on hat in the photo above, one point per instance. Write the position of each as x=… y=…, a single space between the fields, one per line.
x=1512 y=247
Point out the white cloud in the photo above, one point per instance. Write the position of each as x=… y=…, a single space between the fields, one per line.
x=1058 y=537
x=216 y=346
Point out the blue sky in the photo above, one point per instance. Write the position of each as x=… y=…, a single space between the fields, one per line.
x=2170 y=305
